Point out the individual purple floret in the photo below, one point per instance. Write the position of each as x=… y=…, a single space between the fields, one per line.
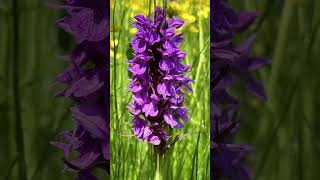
x=159 y=79
x=230 y=63
x=87 y=81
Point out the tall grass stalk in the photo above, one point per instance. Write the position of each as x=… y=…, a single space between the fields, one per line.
x=201 y=46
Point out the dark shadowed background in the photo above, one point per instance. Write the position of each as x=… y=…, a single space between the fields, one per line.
x=285 y=129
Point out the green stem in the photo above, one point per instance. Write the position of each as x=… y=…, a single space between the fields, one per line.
x=114 y=63
x=201 y=45
x=159 y=175
x=149 y=11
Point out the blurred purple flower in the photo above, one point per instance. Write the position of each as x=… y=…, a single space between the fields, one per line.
x=158 y=78
x=230 y=63
x=87 y=85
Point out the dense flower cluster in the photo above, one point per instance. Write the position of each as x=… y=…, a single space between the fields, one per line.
x=87 y=83
x=158 y=79
x=230 y=63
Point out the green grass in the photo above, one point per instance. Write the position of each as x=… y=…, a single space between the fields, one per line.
x=133 y=159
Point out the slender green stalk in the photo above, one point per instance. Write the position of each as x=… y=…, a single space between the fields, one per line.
x=22 y=173
x=159 y=173
x=149 y=11
x=201 y=45
x=115 y=64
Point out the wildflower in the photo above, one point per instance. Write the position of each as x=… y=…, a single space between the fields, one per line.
x=230 y=64
x=181 y=9
x=87 y=85
x=158 y=78
x=193 y=29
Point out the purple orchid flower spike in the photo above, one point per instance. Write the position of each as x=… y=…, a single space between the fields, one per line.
x=87 y=85
x=230 y=64
x=159 y=79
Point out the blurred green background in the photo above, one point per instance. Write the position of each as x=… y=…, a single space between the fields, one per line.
x=285 y=129
x=42 y=115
